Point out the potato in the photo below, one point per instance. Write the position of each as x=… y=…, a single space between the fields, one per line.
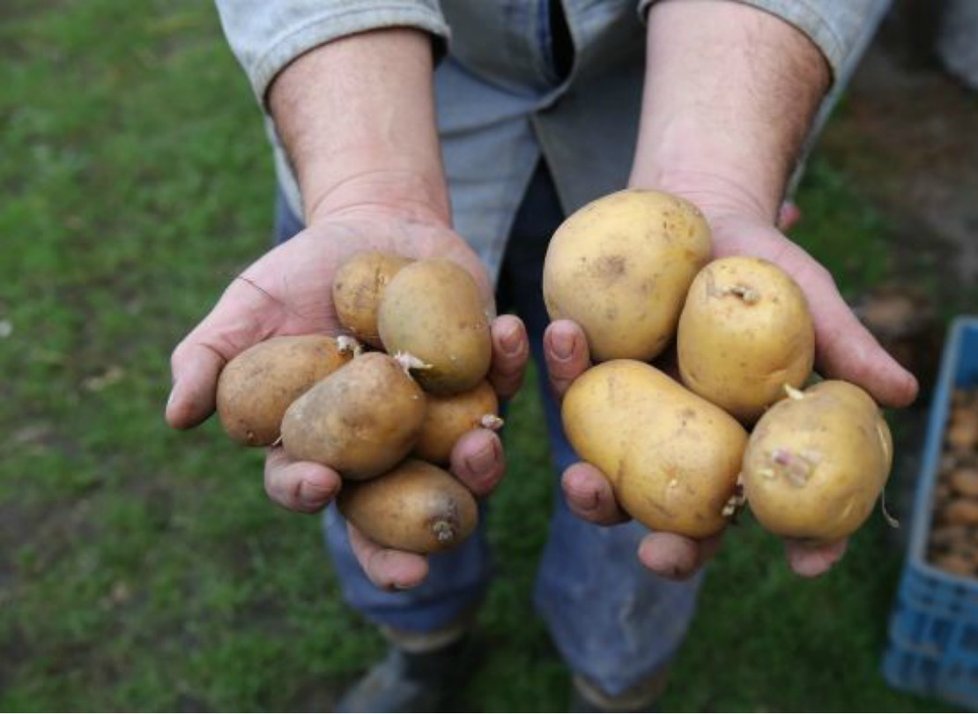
x=961 y=511
x=360 y=421
x=620 y=267
x=964 y=480
x=416 y=507
x=256 y=387
x=744 y=333
x=672 y=457
x=447 y=418
x=432 y=310
x=357 y=288
x=816 y=462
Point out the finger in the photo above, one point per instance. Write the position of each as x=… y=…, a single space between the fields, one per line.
x=300 y=486
x=847 y=350
x=811 y=561
x=510 y=352
x=387 y=568
x=195 y=368
x=478 y=461
x=236 y=322
x=589 y=495
x=674 y=556
x=566 y=352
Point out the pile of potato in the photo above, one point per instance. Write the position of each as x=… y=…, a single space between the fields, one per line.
x=385 y=420
x=633 y=270
x=953 y=539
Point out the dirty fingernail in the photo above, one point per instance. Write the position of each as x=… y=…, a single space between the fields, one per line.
x=313 y=495
x=562 y=345
x=510 y=341
x=481 y=461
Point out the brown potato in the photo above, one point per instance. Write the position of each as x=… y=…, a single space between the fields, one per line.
x=964 y=480
x=357 y=288
x=620 y=268
x=961 y=511
x=359 y=421
x=672 y=457
x=816 y=463
x=256 y=387
x=432 y=311
x=447 y=418
x=416 y=507
x=744 y=333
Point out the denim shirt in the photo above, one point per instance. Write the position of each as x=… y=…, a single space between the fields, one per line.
x=501 y=102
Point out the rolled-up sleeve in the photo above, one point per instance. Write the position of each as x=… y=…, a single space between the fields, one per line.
x=266 y=35
x=839 y=28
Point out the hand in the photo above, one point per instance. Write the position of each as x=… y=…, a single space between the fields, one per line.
x=288 y=292
x=844 y=350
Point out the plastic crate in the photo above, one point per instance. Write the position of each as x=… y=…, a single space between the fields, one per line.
x=933 y=629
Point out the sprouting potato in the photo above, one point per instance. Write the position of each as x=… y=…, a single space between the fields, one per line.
x=672 y=457
x=357 y=289
x=360 y=421
x=416 y=507
x=745 y=332
x=817 y=462
x=432 y=312
x=447 y=418
x=256 y=387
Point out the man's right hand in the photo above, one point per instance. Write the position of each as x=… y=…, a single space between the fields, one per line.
x=288 y=292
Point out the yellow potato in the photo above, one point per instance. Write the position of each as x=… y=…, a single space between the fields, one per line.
x=620 y=267
x=672 y=457
x=256 y=387
x=357 y=288
x=447 y=418
x=432 y=310
x=416 y=507
x=817 y=461
x=744 y=333
x=360 y=421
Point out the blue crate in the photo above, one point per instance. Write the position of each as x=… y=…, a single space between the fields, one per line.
x=933 y=632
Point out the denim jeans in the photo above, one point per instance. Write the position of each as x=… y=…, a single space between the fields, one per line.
x=611 y=619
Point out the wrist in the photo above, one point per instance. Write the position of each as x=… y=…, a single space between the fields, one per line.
x=717 y=192
x=404 y=193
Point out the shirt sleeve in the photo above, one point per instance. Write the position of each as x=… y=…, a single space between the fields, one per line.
x=841 y=29
x=266 y=35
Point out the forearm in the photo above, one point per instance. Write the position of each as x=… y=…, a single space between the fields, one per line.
x=729 y=96
x=357 y=119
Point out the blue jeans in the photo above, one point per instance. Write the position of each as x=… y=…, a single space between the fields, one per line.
x=611 y=619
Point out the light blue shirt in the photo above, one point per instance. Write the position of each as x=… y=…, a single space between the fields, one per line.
x=501 y=106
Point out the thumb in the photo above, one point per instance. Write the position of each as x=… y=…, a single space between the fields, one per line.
x=240 y=319
x=847 y=350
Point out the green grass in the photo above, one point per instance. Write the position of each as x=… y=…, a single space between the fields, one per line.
x=142 y=569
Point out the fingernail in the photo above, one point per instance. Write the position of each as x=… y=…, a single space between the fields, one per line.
x=510 y=341
x=562 y=346
x=169 y=399
x=481 y=461
x=313 y=495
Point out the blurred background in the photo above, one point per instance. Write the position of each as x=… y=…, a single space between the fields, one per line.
x=143 y=569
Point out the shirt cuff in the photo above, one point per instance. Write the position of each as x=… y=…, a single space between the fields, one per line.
x=266 y=39
x=839 y=28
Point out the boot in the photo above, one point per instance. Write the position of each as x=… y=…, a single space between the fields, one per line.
x=418 y=674
x=642 y=697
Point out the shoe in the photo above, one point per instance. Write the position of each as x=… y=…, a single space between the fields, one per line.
x=642 y=697
x=409 y=681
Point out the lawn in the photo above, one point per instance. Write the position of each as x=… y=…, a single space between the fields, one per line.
x=144 y=569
